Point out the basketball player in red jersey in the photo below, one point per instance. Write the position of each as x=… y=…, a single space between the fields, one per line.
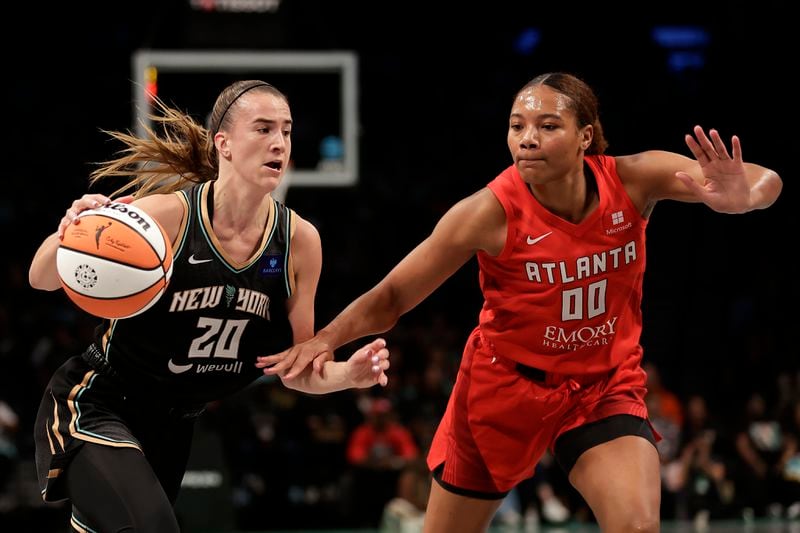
x=555 y=359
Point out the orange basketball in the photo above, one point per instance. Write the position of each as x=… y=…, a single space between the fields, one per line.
x=115 y=263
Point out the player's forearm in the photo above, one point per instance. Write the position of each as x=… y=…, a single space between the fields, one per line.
x=43 y=273
x=376 y=311
x=333 y=378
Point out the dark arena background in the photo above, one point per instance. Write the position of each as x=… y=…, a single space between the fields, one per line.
x=433 y=88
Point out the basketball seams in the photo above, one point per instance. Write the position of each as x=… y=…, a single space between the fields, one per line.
x=154 y=258
x=160 y=255
x=112 y=298
x=117 y=263
x=109 y=259
x=121 y=306
x=149 y=233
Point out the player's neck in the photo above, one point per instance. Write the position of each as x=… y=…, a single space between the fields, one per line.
x=572 y=198
x=237 y=208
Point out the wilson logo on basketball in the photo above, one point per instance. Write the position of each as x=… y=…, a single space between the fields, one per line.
x=132 y=213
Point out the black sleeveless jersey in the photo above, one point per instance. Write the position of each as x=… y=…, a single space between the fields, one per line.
x=200 y=340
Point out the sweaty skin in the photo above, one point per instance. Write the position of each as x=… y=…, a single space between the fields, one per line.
x=533 y=102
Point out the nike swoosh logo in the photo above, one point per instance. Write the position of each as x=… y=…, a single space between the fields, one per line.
x=178 y=369
x=531 y=240
x=193 y=261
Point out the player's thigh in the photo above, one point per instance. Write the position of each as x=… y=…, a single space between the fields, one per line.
x=448 y=512
x=620 y=481
x=115 y=489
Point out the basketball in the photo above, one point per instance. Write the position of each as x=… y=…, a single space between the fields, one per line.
x=116 y=263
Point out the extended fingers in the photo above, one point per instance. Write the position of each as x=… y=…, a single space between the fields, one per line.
x=376 y=345
x=279 y=368
x=375 y=352
x=276 y=364
x=87 y=201
x=697 y=150
x=296 y=364
x=380 y=361
x=374 y=356
x=701 y=146
x=705 y=143
x=736 y=146
x=710 y=147
x=719 y=146
x=380 y=364
x=269 y=360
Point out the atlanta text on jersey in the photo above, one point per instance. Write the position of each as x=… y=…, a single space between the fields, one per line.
x=584 y=267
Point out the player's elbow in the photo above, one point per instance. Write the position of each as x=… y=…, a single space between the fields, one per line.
x=391 y=306
x=766 y=191
x=775 y=184
x=40 y=281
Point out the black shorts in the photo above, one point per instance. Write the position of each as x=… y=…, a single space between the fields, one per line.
x=83 y=405
x=571 y=444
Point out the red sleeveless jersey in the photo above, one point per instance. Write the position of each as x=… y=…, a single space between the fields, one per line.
x=565 y=297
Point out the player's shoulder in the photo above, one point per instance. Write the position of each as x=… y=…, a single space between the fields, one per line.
x=154 y=204
x=304 y=230
x=484 y=200
x=481 y=211
x=168 y=209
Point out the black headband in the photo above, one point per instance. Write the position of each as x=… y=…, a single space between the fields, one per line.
x=253 y=86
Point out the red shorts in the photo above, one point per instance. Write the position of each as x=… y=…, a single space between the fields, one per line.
x=499 y=423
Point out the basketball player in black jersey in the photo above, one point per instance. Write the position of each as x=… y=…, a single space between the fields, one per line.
x=115 y=423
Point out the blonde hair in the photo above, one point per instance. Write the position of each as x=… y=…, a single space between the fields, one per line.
x=183 y=152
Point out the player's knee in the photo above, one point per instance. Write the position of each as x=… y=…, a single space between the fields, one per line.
x=640 y=523
x=626 y=516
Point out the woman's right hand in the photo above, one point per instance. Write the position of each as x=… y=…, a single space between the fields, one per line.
x=43 y=272
x=87 y=201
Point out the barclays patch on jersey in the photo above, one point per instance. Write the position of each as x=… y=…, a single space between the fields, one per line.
x=271 y=265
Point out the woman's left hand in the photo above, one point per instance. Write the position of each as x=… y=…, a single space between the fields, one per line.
x=726 y=189
x=368 y=365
